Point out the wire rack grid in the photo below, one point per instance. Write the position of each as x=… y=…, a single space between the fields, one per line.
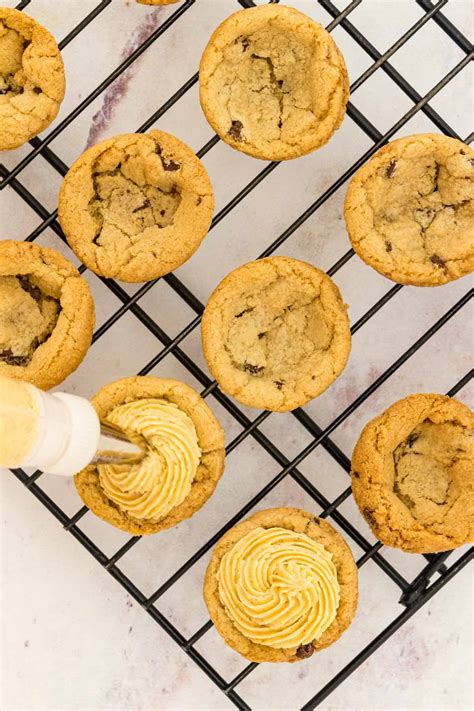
x=437 y=570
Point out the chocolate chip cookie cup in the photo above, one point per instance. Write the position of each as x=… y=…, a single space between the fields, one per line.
x=281 y=585
x=183 y=462
x=46 y=314
x=32 y=82
x=275 y=333
x=273 y=83
x=413 y=474
x=410 y=210
x=136 y=206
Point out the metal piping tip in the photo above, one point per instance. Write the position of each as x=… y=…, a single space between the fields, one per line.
x=115 y=447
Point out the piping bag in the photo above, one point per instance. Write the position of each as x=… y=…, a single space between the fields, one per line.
x=58 y=433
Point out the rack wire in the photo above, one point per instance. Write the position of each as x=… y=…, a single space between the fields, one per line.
x=437 y=570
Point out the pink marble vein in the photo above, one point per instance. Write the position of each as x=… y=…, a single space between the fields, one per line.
x=118 y=89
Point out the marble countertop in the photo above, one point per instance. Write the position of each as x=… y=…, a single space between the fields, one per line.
x=72 y=639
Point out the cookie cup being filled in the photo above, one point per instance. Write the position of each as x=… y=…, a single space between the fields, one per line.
x=121 y=495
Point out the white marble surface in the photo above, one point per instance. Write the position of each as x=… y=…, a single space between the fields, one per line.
x=71 y=637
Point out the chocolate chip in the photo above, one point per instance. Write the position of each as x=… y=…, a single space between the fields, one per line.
x=438 y=262
x=244 y=42
x=37 y=90
x=279 y=383
x=390 y=169
x=369 y=516
x=411 y=439
x=162 y=213
x=169 y=165
x=356 y=475
x=26 y=285
x=388 y=246
x=304 y=651
x=235 y=131
x=254 y=369
x=280 y=123
x=245 y=311
x=280 y=82
x=199 y=201
x=260 y=336
x=10 y=359
x=11 y=87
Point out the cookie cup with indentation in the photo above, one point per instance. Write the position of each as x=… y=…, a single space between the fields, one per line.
x=46 y=314
x=136 y=206
x=273 y=84
x=276 y=575
x=410 y=210
x=275 y=333
x=32 y=82
x=413 y=474
x=210 y=438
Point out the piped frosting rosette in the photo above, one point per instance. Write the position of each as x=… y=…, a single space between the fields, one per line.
x=163 y=479
x=279 y=587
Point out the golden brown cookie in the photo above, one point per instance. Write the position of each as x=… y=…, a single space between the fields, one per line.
x=275 y=333
x=32 y=82
x=413 y=474
x=136 y=206
x=410 y=210
x=46 y=314
x=156 y=493
x=273 y=83
x=281 y=585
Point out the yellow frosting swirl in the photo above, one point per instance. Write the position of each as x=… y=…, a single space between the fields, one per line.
x=279 y=587
x=162 y=480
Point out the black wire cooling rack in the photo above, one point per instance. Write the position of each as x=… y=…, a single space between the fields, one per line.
x=436 y=571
